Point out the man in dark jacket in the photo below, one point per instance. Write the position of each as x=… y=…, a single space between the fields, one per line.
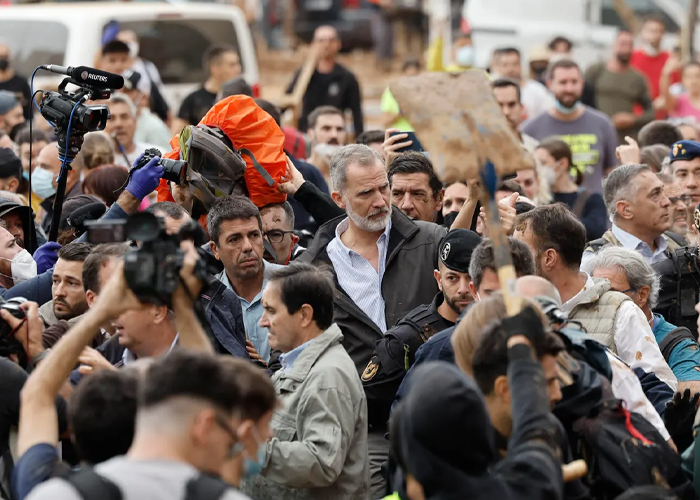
x=383 y=263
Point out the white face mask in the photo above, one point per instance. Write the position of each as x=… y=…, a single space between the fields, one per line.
x=549 y=174
x=23 y=267
x=133 y=49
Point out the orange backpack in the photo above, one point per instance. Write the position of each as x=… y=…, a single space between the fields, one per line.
x=250 y=128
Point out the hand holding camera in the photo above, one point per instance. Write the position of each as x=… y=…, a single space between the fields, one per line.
x=23 y=323
x=145 y=176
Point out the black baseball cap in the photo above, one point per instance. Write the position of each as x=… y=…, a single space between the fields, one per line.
x=455 y=249
x=10 y=164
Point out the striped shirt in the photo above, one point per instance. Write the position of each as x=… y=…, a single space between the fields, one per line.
x=357 y=276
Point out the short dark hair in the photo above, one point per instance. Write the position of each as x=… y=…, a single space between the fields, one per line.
x=236 y=86
x=270 y=109
x=198 y=375
x=75 y=251
x=522 y=207
x=321 y=111
x=115 y=47
x=302 y=283
x=213 y=54
x=483 y=258
x=414 y=162
x=654 y=156
x=102 y=413
x=230 y=208
x=560 y=39
x=96 y=260
x=288 y=211
x=510 y=185
x=257 y=393
x=659 y=132
x=490 y=359
x=504 y=83
x=370 y=137
x=169 y=208
x=507 y=50
x=563 y=64
x=555 y=226
x=23 y=136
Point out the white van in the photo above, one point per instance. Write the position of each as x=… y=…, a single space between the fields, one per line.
x=590 y=24
x=173 y=36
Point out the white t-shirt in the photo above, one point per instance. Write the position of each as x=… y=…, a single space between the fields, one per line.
x=535 y=98
x=139 y=148
x=137 y=480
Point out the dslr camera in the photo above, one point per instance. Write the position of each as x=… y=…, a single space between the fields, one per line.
x=8 y=343
x=152 y=271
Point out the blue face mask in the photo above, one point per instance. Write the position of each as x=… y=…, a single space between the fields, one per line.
x=42 y=183
x=255 y=467
x=466 y=56
x=565 y=110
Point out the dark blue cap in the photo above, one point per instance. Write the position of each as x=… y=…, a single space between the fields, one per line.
x=684 y=150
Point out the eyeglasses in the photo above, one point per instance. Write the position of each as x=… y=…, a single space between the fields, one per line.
x=686 y=199
x=624 y=291
x=236 y=448
x=276 y=235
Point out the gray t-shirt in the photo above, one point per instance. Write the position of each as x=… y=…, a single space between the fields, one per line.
x=592 y=139
x=137 y=480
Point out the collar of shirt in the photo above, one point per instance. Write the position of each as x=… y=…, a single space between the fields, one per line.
x=579 y=297
x=223 y=277
x=345 y=224
x=130 y=357
x=287 y=359
x=633 y=243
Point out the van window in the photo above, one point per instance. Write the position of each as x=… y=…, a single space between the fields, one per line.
x=33 y=43
x=176 y=46
x=641 y=8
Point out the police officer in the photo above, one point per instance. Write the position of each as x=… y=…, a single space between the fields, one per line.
x=395 y=353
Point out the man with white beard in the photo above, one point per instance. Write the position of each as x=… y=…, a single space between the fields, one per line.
x=383 y=263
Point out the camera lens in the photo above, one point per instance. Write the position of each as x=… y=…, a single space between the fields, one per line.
x=143 y=226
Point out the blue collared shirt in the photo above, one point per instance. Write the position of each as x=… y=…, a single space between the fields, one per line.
x=633 y=243
x=288 y=358
x=252 y=312
x=358 y=277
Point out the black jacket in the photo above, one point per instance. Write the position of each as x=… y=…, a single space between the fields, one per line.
x=408 y=280
x=223 y=312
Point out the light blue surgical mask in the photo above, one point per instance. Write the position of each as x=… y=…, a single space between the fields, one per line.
x=466 y=56
x=42 y=183
x=564 y=109
x=255 y=467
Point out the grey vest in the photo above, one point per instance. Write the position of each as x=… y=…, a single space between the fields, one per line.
x=597 y=315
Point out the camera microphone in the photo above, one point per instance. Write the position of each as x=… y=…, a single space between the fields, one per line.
x=88 y=76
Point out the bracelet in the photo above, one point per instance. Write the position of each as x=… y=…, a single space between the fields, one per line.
x=40 y=357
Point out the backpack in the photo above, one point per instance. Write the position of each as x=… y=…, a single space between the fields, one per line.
x=680 y=288
x=623 y=450
x=244 y=129
x=92 y=486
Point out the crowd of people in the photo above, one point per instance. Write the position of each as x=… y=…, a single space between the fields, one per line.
x=358 y=340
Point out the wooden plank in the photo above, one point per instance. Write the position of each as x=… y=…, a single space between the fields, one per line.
x=436 y=105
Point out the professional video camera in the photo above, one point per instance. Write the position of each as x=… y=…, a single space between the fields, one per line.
x=65 y=108
x=153 y=270
x=8 y=343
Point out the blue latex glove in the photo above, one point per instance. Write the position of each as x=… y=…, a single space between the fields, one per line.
x=46 y=256
x=146 y=179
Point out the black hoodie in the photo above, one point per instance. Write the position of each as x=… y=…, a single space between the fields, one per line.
x=445 y=440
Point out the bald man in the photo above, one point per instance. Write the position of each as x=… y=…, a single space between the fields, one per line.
x=331 y=84
x=536 y=286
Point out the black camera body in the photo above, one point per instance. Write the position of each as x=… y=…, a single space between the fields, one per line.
x=173 y=170
x=8 y=343
x=153 y=270
x=57 y=108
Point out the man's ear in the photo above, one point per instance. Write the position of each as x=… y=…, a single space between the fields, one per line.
x=13 y=184
x=90 y=297
x=439 y=198
x=338 y=199
x=437 y=276
x=307 y=315
x=622 y=208
x=160 y=314
x=473 y=291
x=501 y=388
x=214 y=250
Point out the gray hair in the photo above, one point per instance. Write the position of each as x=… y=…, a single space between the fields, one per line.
x=619 y=186
x=352 y=153
x=629 y=262
x=121 y=98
